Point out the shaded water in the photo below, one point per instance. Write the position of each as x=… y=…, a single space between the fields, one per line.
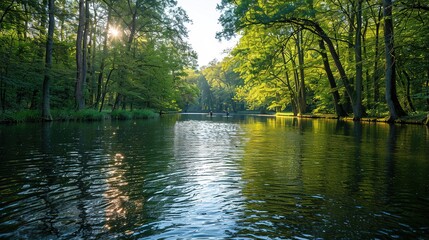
x=191 y=176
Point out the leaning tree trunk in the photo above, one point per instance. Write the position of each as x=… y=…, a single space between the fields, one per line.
x=336 y=58
x=292 y=92
x=339 y=109
x=427 y=120
x=46 y=111
x=393 y=104
x=302 y=103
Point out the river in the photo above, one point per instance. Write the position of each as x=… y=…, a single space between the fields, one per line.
x=194 y=176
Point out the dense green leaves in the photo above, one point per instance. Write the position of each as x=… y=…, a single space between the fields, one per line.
x=301 y=56
x=290 y=50
x=114 y=54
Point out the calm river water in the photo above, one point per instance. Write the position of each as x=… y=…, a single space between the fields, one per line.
x=192 y=176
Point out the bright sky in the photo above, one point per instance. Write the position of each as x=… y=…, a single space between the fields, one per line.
x=203 y=30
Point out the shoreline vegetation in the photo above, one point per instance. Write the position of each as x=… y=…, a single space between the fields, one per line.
x=352 y=58
x=420 y=118
x=416 y=119
x=73 y=115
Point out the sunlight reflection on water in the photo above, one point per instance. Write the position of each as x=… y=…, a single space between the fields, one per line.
x=191 y=176
x=204 y=202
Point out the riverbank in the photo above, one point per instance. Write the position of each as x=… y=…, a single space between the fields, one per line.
x=417 y=119
x=94 y=115
x=71 y=115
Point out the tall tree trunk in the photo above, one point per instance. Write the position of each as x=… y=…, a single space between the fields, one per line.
x=393 y=104
x=336 y=96
x=2 y=93
x=292 y=92
x=124 y=102
x=46 y=109
x=295 y=100
x=427 y=120
x=106 y=84
x=427 y=91
x=357 y=107
x=335 y=57
x=132 y=31
x=376 y=76
x=351 y=34
x=301 y=83
x=118 y=102
x=92 y=54
x=408 y=91
x=367 y=89
x=80 y=67
x=37 y=101
x=103 y=57
x=85 y=51
x=133 y=25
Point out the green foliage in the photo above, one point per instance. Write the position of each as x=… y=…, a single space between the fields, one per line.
x=276 y=65
x=28 y=116
x=143 y=114
x=219 y=83
x=88 y=115
x=274 y=33
x=19 y=117
x=62 y=114
x=73 y=115
x=187 y=90
x=121 y=115
x=140 y=67
x=6 y=117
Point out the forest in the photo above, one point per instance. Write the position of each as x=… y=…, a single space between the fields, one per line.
x=349 y=58
x=93 y=56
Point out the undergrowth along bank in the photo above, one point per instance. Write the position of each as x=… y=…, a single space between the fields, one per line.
x=419 y=118
x=72 y=115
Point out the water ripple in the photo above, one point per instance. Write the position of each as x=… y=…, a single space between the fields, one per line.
x=213 y=178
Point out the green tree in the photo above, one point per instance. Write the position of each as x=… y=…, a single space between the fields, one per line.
x=46 y=108
x=350 y=32
x=222 y=82
x=395 y=108
x=411 y=48
x=81 y=44
x=300 y=14
x=139 y=67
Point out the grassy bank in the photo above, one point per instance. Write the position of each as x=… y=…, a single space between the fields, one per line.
x=420 y=118
x=71 y=115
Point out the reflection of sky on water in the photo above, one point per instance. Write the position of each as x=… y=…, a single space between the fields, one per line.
x=203 y=203
x=214 y=178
